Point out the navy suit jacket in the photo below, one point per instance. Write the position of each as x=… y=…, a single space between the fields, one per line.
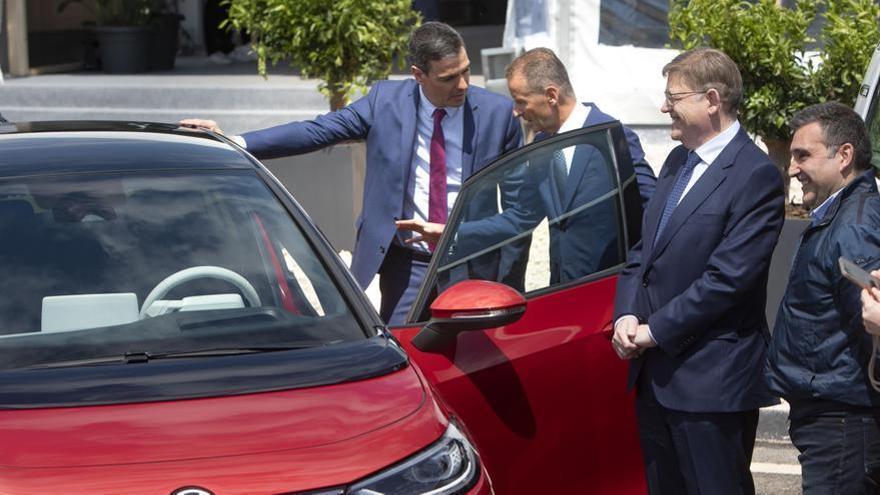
x=701 y=287
x=644 y=174
x=386 y=119
x=580 y=243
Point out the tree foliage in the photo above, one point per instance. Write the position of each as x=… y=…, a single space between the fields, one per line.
x=345 y=43
x=774 y=51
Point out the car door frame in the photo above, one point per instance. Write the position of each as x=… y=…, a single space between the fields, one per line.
x=627 y=194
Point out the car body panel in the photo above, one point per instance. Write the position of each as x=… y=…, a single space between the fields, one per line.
x=259 y=443
x=544 y=397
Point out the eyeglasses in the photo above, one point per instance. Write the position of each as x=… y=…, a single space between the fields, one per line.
x=673 y=98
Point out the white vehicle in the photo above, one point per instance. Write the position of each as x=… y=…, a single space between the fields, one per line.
x=868 y=104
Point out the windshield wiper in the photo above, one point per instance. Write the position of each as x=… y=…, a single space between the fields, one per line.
x=146 y=356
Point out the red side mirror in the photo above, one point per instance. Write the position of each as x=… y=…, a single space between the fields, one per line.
x=469 y=305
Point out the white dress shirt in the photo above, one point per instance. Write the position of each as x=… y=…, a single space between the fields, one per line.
x=708 y=152
x=575 y=120
x=417 y=191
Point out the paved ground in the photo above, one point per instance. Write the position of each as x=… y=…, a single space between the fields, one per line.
x=775 y=468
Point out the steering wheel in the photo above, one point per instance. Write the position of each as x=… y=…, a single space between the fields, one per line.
x=196 y=272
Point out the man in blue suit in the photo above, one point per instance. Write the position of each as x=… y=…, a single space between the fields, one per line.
x=583 y=236
x=424 y=136
x=585 y=242
x=690 y=302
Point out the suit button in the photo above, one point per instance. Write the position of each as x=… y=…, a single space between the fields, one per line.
x=644 y=281
x=382 y=249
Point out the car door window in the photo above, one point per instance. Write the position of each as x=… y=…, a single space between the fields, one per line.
x=544 y=217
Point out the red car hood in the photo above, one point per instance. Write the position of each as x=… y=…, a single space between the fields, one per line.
x=259 y=443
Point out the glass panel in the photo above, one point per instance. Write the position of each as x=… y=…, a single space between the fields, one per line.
x=547 y=217
x=104 y=264
x=640 y=23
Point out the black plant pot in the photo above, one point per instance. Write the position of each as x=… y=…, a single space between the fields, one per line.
x=124 y=49
x=165 y=35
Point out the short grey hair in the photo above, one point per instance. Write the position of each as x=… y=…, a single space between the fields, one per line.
x=541 y=68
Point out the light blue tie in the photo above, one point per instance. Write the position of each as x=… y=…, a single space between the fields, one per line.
x=684 y=176
x=560 y=172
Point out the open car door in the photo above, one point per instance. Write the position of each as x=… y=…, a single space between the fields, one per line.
x=534 y=378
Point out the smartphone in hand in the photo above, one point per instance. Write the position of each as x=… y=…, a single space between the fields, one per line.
x=857 y=275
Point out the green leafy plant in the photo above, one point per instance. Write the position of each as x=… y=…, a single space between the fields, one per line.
x=784 y=69
x=345 y=43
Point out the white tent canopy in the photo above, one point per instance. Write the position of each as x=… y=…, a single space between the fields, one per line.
x=625 y=81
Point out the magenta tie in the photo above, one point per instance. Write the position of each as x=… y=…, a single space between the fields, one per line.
x=437 y=193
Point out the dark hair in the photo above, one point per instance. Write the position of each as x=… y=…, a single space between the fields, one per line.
x=840 y=125
x=703 y=69
x=433 y=41
x=541 y=68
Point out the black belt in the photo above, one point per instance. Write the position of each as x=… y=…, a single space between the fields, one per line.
x=412 y=254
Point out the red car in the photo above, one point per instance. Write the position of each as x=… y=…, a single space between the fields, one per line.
x=171 y=322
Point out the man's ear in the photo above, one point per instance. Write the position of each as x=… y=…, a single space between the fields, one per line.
x=417 y=74
x=552 y=94
x=847 y=153
x=714 y=98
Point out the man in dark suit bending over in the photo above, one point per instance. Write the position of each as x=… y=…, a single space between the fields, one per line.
x=690 y=302
x=425 y=136
x=563 y=188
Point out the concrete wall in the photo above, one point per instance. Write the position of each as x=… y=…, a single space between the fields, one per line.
x=329 y=185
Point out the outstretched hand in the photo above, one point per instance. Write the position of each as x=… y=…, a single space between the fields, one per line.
x=428 y=231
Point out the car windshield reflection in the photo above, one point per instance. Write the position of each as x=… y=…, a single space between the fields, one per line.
x=161 y=263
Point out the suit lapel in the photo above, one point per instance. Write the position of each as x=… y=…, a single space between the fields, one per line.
x=469 y=138
x=408 y=135
x=702 y=189
x=664 y=185
x=575 y=176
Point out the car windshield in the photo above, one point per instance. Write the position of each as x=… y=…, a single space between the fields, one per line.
x=112 y=265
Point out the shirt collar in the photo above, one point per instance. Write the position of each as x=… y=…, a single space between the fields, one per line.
x=818 y=213
x=426 y=106
x=575 y=119
x=710 y=150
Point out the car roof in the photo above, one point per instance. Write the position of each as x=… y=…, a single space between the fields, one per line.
x=29 y=148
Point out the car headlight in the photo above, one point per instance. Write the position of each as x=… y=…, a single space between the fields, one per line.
x=448 y=467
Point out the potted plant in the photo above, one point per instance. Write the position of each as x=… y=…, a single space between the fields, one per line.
x=122 y=28
x=783 y=68
x=165 y=24
x=345 y=43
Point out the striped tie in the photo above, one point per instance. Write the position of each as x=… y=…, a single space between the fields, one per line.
x=684 y=176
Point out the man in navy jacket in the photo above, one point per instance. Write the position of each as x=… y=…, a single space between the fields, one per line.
x=689 y=310
x=396 y=118
x=818 y=359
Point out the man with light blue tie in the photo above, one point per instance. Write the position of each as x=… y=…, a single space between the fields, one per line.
x=689 y=310
x=424 y=136
x=565 y=188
